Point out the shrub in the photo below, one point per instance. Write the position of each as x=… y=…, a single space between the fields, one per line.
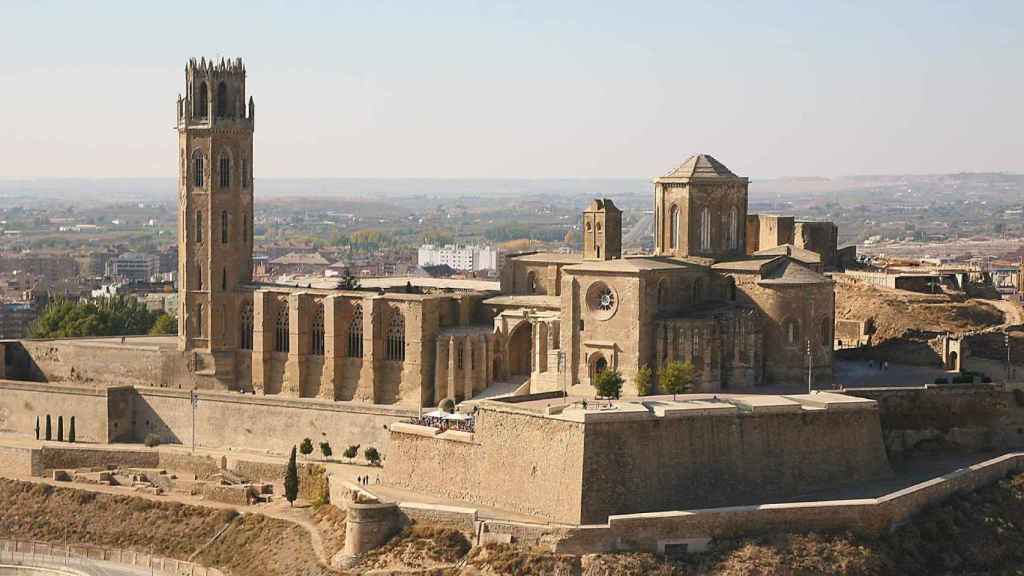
x=608 y=384
x=325 y=449
x=372 y=456
x=152 y=440
x=306 y=447
x=351 y=452
x=677 y=377
x=643 y=379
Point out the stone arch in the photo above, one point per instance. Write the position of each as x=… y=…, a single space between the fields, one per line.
x=597 y=364
x=520 y=350
x=953 y=361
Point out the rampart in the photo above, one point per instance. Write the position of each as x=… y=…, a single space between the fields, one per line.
x=582 y=465
x=223 y=420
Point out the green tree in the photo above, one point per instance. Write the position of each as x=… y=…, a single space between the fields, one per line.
x=677 y=377
x=351 y=452
x=372 y=456
x=49 y=428
x=116 y=316
x=348 y=281
x=71 y=431
x=643 y=379
x=291 y=479
x=325 y=449
x=306 y=447
x=608 y=384
x=165 y=325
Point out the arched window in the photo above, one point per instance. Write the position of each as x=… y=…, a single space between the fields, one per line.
x=531 y=282
x=202 y=101
x=222 y=100
x=733 y=229
x=705 y=229
x=355 y=333
x=199 y=320
x=198 y=174
x=245 y=337
x=395 y=349
x=826 y=332
x=224 y=279
x=281 y=329
x=318 y=331
x=673 y=235
x=792 y=330
x=224 y=227
x=224 y=172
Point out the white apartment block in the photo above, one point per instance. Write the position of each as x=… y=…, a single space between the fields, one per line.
x=466 y=258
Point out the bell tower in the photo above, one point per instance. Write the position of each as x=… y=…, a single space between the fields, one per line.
x=602 y=231
x=215 y=208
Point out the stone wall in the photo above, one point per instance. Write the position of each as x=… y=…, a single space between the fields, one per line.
x=20 y=462
x=22 y=402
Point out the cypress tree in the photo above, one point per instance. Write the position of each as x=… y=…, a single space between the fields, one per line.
x=71 y=431
x=291 y=479
x=49 y=428
x=60 y=428
x=37 y=427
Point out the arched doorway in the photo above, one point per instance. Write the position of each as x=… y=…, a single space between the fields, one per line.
x=520 y=348
x=598 y=364
x=951 y=362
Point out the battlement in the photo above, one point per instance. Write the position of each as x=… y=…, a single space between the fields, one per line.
x=214 y=91
x=223 y=66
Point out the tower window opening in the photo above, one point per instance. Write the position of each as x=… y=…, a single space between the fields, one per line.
x=197 y=170
x=224 y=227
x=224 y=172
x=202 y=101
x=733 y=229
x=673 y=237
x=222 y=100
x=355 y=333
x=705 y=229
x=199 y=320
x=224 y=280
x=318 y=331
x=281 y=330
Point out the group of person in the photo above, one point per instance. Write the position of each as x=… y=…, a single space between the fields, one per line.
x=365 y=480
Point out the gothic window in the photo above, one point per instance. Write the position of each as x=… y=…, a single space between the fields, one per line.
x=396 y=338
x=222 y=100
x=199 y=320
x=224 y=172
x=202 y=101
x=198 y=176
x=826 y=332
x=355 y=333
x=281 y=329
x=673 y=236
x=733 y=229
x=705 y=229
x=245 y=338
x=224 y=227
x=792 y=331
x=199 y=227
x=318 y=331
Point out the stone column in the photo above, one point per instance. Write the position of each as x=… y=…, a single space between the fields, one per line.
x=262 y=338
x=299 y=320
x=468 y=368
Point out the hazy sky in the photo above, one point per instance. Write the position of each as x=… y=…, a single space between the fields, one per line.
x=436 y=88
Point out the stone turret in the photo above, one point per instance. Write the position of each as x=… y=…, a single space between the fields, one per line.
x=602 y=231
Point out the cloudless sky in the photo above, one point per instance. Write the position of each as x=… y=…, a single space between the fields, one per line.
x=438 y=88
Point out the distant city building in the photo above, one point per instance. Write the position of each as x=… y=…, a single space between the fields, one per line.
x=465 y=258
x=134 y=266
x=15 y=319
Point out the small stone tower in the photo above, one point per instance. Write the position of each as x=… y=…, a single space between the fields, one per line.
x=602 y=231
x=700 y=210
x=215 y=207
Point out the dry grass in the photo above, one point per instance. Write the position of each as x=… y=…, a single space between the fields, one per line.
x=418 y=547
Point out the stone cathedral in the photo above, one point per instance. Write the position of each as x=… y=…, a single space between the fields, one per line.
x=745 y=318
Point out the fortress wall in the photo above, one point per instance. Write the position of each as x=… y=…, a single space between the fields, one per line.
x=22 y=402
x=231 y=420
x=642 y=465
x=18 y=461
x=92 y=361
x=970 y=417
x=515 y=461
